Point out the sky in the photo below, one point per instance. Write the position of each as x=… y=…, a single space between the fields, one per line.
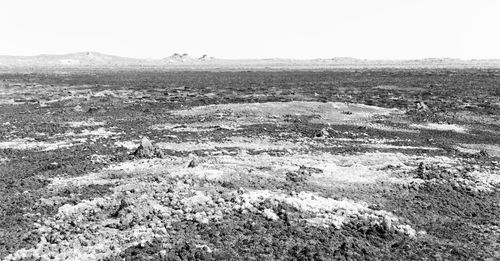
x=366 y=29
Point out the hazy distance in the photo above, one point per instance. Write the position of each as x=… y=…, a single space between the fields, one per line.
x=366 y=29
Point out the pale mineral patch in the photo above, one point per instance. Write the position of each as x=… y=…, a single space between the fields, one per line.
x=335 y=169
x=179 y=128
x=99 y=178
x=323 y=211
x=129 y=145
x=398 y=88
x=88 y=123
x=100 y=132
x=382 y=143
x=3 y=160
x=440 y=127
x=398 y=147
x=383 y=127
x=366 y=140
x=145 y=196
x=195 y=127
x=123 y=94
x=486 y=177
x=263 y=143
x=98 y=239
x=275 y=112
x=99 y=158
x=32 y=144
x=491 y=149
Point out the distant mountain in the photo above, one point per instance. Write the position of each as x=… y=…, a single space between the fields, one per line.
x=99 y=60
x=177 y=58
x=74 y=59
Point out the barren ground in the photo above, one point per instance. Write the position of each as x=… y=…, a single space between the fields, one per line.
x=250 y=165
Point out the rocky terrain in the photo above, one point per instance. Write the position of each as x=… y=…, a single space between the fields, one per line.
x=383 y=164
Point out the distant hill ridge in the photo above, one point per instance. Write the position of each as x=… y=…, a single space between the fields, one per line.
x=96 y=59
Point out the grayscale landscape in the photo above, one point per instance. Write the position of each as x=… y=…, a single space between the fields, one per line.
x=111 y=158
x=187 y=130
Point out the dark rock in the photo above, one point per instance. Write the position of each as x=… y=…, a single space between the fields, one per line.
x=323 y=133
x=93 y=110
x=26 y=100
x=483 y=154
x=422 y=171
x=148 y=150
x=123 y=204
x=193 y=163
x=421 y=106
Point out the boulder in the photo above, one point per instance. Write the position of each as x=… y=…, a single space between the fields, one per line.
x=421 y=106
x=193 y=163
x=148 y=150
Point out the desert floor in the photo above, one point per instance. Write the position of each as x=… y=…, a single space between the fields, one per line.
x=269 y=165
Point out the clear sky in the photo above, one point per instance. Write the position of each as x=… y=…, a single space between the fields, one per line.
x=371 y=29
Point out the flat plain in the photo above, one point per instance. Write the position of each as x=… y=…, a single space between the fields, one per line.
x=359 y=164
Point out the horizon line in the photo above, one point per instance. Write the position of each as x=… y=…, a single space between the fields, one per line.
x=184 y=54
